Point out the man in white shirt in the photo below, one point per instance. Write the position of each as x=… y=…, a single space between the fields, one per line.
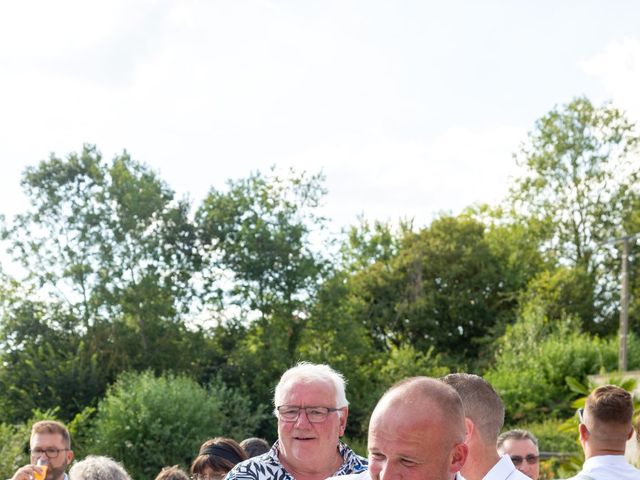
x=416 y=432
x=605 y=427
x=484 y=417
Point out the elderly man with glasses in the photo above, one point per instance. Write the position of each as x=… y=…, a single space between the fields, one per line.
x=50 y=448
x=312 y=409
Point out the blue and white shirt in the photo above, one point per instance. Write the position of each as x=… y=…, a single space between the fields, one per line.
x=268 y=467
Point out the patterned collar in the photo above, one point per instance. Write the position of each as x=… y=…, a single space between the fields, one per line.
x=268 y=467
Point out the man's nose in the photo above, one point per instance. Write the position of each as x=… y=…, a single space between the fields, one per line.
x=302 y=418
x=389 y=472
x=41 y=455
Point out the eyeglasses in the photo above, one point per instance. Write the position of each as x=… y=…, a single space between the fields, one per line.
x=530 y=459
x=49 y=452
x=581 y=415
x=291 y=413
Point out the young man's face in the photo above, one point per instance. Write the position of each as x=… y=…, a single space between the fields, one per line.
x=52 y=448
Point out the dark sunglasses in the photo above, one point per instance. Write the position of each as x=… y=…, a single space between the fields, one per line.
x=530 y=459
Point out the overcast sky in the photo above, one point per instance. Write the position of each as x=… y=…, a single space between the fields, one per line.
x=410 y=108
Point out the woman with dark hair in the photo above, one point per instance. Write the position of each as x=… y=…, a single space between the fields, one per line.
x=216 y=457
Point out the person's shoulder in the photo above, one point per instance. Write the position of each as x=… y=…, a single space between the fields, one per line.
x=255 y=468
x=352 y=462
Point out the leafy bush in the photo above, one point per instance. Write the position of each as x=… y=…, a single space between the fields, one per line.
x=148 y=422
x=13 y=440
x=536 y=355
x=551 y=438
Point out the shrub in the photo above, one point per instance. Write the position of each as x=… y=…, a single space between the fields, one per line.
x=535 y=356
x=149 y=422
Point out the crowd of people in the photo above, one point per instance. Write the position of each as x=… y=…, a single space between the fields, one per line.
x=421 y=429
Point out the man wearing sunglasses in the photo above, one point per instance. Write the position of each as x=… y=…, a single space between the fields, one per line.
x=312 y=409
x=605 y=426
x=522 y=447
x=50 y=446
x=484 y=417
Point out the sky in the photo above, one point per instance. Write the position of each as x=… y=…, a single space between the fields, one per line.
x=409 y=108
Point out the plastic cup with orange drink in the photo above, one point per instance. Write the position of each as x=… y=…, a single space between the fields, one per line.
x=43 y=465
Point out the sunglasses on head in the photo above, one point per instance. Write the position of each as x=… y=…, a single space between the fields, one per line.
x=530 y=459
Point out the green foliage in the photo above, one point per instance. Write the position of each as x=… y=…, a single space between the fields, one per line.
x=580 y=180
x=259 y=233
x=536 y=355
x=551 y=438
x=149 y=422
x=13 y=440
x=108 y=256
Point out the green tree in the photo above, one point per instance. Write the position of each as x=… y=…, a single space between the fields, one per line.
x=108 y=255
x=580 y=181
x=258 y=233
x=443 y=287
x=262 y=270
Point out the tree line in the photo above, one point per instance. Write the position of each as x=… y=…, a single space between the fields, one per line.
x=117 y=275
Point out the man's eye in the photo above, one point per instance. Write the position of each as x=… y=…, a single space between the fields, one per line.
x=408 y=463
x=52 y=451
x=376 y=456
x=316 y=411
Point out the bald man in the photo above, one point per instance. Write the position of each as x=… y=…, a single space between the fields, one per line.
x=605 y=426
x=484 y=417
x=416 y=432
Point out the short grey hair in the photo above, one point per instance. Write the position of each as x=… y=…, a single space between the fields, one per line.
x=517 y=434
x=306 y=372
x=98 y=468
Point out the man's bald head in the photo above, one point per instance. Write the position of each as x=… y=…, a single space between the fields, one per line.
x=430 y=398
x=417 y=432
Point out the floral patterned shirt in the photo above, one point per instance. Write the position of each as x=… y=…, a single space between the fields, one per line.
x=268 y=467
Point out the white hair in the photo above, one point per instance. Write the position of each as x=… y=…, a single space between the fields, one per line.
x=98 y=468
x=306 y=372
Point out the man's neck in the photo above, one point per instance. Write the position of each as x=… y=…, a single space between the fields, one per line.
x=596 y=451
x=308 y=472
x=481 y=459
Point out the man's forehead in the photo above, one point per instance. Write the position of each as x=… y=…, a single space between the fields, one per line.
x=301 y=385
x=43 y=438
x=521 y=444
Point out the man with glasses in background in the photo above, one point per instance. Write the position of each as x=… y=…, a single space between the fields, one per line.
x=312 y=409
x=522 y=447
x=605 y=426
x=50 y=448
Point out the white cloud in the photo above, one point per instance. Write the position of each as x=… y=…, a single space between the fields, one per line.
x=618 y=68
x=389 y=180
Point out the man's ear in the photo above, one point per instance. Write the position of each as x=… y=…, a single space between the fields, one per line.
x=344 y=413
x=458 y=457
x=584 y=432
x=470 y=427
x=69 y=456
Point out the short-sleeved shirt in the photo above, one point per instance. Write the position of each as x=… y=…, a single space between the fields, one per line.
x=268 y=467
